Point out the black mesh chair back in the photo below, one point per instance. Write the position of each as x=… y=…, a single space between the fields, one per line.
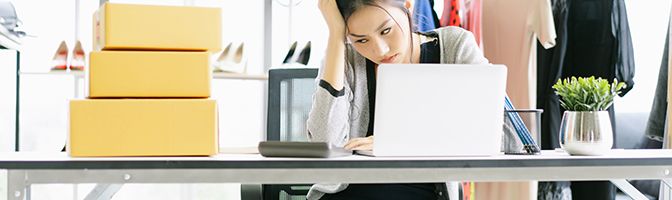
x=290 y=94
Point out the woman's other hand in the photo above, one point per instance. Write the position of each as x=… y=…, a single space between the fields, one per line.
x=333 y=17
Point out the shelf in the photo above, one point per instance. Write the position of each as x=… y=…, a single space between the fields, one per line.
x=63 y=72
x=222 y=75
x=215 y=75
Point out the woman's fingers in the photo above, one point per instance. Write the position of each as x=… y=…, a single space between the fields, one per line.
x=360 y=143
x=365 y=147
x=354 y=143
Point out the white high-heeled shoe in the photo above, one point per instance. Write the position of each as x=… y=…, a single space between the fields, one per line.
x=222 y=56
x=233 y=62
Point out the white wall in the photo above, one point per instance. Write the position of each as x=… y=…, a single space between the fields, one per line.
x=648 y=27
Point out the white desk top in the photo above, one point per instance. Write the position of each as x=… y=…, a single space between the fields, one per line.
x=546 y=159
x=253 y=168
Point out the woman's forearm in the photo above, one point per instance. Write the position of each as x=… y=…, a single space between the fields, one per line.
x=334 y=65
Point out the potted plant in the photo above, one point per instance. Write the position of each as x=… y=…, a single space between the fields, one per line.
x=586 y=127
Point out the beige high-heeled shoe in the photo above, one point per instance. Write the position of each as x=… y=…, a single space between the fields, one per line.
x=60 y=60
x=78 y=58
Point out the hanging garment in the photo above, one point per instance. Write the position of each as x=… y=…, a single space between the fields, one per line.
x=509 y=29
x=594 y=40
x=466 y=14
x=655 y=127
x=595 y=43
x=554 y=191
x=445 y=15
x=472 y=23
x=455 y=17
x=550 y=62
x=462 y=12
x=435 y=17
x=422 y=15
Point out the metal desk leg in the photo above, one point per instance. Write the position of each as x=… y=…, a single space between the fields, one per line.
x=665 y=189
x=28 y=192
x=103 y=192
x=3 y=184
x=18 y=101
x=16 y=184
x=628 y=189
x=77 y=95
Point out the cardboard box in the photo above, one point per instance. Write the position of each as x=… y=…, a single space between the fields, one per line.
x=150 y=27
x=149 y=74
x=143 y=127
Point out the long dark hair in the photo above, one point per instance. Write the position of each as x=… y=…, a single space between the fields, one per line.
x=348 y=7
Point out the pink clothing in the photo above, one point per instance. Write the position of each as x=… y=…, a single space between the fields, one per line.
x=473 y=19
x=510 y=28
x=445 y=15
x=469 y=16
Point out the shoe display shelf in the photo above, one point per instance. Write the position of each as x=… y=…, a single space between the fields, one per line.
x=79 y=77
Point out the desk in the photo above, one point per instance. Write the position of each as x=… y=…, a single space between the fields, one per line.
x=24 y=169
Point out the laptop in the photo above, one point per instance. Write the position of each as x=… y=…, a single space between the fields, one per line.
x=438 y=110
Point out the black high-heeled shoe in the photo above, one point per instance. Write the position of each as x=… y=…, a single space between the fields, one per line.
x=304 y=56
x=290 y=54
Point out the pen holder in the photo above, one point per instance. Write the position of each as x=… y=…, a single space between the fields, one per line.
x=512 y=143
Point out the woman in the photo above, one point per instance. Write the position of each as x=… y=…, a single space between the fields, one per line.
x=362 y=35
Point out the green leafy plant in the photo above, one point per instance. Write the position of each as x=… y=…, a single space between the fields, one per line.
x=587 y=94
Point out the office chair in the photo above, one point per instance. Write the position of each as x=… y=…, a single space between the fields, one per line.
x=290 y=92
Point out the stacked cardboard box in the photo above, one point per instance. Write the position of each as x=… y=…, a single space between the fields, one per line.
x=148 y=83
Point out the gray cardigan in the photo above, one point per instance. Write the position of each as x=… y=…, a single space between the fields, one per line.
x=337 y=118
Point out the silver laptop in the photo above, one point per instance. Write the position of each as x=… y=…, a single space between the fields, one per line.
x=438 y=110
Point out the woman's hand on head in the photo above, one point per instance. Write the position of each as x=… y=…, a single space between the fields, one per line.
x=333 y=17
x=365 y=143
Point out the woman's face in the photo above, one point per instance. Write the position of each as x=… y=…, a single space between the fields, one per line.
x=377 y=36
